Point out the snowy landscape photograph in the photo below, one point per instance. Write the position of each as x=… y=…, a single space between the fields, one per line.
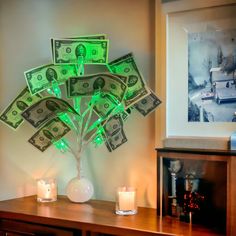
x=211 y=76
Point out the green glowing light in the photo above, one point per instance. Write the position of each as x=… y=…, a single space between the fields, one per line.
x=98 y=140
x=61 y=145
x=77 y=104
x=56 y=89
x=49 y=91
x=100 y=130
x=81 y=65
x=65 y=118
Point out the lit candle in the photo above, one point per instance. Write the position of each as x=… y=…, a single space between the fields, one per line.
x=126 y=201
x=46 y=190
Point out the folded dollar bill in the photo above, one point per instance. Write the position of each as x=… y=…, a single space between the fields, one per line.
x=69 y=51
x=125 y=114
x=137 y=88
x=105 y=105
x=147 y=104
x=114 y=133
x=46 y=109
x=42 y=77
x=11 y=116
x=89 y=84
x=54 y=130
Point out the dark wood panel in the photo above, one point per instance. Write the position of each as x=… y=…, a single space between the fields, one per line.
x=198 y=151
x=215 y=172
x=232 y=196
x=21 y=228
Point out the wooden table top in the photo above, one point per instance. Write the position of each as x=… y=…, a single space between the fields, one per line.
x=96 y=216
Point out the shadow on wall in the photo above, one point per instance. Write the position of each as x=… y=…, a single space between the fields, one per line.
x=16 y=184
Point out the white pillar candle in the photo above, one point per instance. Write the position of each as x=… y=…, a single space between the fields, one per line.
x=46 y=190
x=126 y=201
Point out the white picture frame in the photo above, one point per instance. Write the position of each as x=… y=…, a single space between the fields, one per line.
x=178 y=26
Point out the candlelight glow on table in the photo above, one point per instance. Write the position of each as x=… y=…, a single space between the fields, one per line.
x=46 y=190
x=126 y=201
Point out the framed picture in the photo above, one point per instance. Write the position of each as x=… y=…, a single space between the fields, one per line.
x=201 y=72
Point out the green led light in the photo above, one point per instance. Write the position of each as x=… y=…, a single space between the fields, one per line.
x=65 y=117
x=61 y=145
x=98 y=140
x=50 y=91
x=56 y=89
x=80 y=65
x=77 y=104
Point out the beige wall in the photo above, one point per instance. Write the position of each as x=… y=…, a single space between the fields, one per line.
x=25 y=29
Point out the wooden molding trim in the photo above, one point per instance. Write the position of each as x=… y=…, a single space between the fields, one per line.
x=221 y=143
x=188 y=5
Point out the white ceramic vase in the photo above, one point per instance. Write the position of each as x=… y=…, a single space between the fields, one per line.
x=79 y=189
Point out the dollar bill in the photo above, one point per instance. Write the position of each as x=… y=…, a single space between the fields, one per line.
x=54 y=130
x=117 y=140
x=105 y=105
x=46 y=109
x=69 y=51
x=105 y=82
x=41 y=78
x=136 y=86
x=114 y=133
x=121 y=77
x=95 y=36
x=125 y=115
x=11 y=116
x=147 y=104
x=107 y=144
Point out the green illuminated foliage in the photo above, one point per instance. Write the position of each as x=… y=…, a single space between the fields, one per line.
x=61 y=145
x=96 y=105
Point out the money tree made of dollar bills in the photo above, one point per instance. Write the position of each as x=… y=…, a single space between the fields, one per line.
x=60 y=97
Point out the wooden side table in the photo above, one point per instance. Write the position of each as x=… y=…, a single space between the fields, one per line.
x=26 y=216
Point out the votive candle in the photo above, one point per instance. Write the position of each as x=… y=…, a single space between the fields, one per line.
x=46 y=190
x=126 y=201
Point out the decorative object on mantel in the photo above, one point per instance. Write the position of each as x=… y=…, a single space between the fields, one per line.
x=95 y=105
x=192 y=200
x=79 y=190
x=175 y=167
x=46 y=190
x=126 y=201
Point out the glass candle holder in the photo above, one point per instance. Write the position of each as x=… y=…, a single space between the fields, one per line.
x=126 y=201
x=46 y=190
